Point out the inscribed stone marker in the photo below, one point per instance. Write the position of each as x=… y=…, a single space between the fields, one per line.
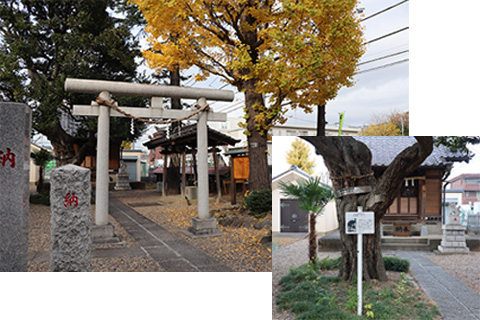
x=15 y=126
x=70 y=220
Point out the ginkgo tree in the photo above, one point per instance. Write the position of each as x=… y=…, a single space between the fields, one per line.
x=281 y=54
x=299 y=155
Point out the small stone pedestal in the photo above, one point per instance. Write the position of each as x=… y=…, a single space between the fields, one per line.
x=453 y=239
x=204 y=227
x=104 y=234
x=123 y=182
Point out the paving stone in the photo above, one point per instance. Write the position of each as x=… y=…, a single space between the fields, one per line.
x=168 y=250
x=455 y=300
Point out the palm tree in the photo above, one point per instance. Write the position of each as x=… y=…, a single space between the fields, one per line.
x=41 y=159
x=312 y=197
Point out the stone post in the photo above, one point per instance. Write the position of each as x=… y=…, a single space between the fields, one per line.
x=15 y=126
x=102 y=178
x=70 y=219
x=204 y=224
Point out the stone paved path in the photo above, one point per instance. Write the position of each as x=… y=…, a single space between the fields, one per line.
x=455 y=300
x=171 y=252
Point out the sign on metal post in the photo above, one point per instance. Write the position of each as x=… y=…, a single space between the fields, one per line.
x=360 y=223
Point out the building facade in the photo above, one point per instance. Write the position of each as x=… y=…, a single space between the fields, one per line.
x=469 y=184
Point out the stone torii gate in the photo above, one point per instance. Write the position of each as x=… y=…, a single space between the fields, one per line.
x=204 y=224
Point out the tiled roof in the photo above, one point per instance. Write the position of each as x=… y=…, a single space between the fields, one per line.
x=385 y=149
x=188 y=135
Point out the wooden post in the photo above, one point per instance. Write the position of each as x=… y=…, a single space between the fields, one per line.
x=217 y=175
x=184 y=173
x=165 y=165
x=233 y=187
x=194 y=152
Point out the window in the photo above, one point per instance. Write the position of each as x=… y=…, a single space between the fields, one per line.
x=291 y=133
x=472 y=194
x=472 y=180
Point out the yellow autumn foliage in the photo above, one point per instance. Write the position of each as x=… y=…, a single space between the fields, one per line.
x=282 y=54
x=297 y=51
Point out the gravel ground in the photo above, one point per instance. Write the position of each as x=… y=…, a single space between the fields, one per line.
x=39 y=241
x=463 y=267
x=238 y=248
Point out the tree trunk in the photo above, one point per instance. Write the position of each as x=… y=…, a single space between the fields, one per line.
x=173 y=177
x=63 y=146
x=40 y=180
x=349 y=165
x=321 y=122
x=257 y=142
x=312 y=241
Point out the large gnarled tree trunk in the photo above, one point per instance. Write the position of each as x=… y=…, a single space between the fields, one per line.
x=349 y=163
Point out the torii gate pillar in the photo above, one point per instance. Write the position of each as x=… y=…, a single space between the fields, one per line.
x=204 y=224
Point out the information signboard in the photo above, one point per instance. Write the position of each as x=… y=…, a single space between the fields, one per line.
x=360 y=222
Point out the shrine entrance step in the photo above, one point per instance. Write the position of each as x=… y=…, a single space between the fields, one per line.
x=406 y=243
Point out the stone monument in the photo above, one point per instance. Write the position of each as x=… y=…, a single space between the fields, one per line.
x=15 y=126
x=453 y=239
x=123 y=180
x=70 y=219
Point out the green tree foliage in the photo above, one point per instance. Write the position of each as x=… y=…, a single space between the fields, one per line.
x=43 y=42
x=457 y=143
x=312 y=196
x=299 y=155
x=41 y=159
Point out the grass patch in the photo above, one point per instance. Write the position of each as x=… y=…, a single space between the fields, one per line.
x=309 y=295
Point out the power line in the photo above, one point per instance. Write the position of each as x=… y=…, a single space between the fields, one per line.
x=379 y=53
x=384 y=57
x=387 y=35
x=384 y=10
x=383 y=66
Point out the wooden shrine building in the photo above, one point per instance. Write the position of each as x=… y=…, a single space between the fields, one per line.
x=184 y=141
x=420 y=200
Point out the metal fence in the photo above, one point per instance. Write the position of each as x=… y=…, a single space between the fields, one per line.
x=473 y=224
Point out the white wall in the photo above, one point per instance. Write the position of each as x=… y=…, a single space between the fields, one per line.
x=325 y=222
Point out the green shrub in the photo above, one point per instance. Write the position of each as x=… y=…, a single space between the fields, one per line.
x=329 y=264
x=258 y=202
x=40 y=198
x=396 y=264
x=391 y=264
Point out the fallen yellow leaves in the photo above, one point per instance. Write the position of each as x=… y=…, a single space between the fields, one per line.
x=238 y=248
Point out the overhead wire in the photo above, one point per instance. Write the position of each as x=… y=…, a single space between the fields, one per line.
x=384 y=10
x=386 y=35
x=384 y=57
x=384 y=66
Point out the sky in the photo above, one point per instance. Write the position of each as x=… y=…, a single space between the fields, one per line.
x=281 y=144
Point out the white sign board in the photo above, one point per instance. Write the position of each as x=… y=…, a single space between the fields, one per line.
x=360 y=222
